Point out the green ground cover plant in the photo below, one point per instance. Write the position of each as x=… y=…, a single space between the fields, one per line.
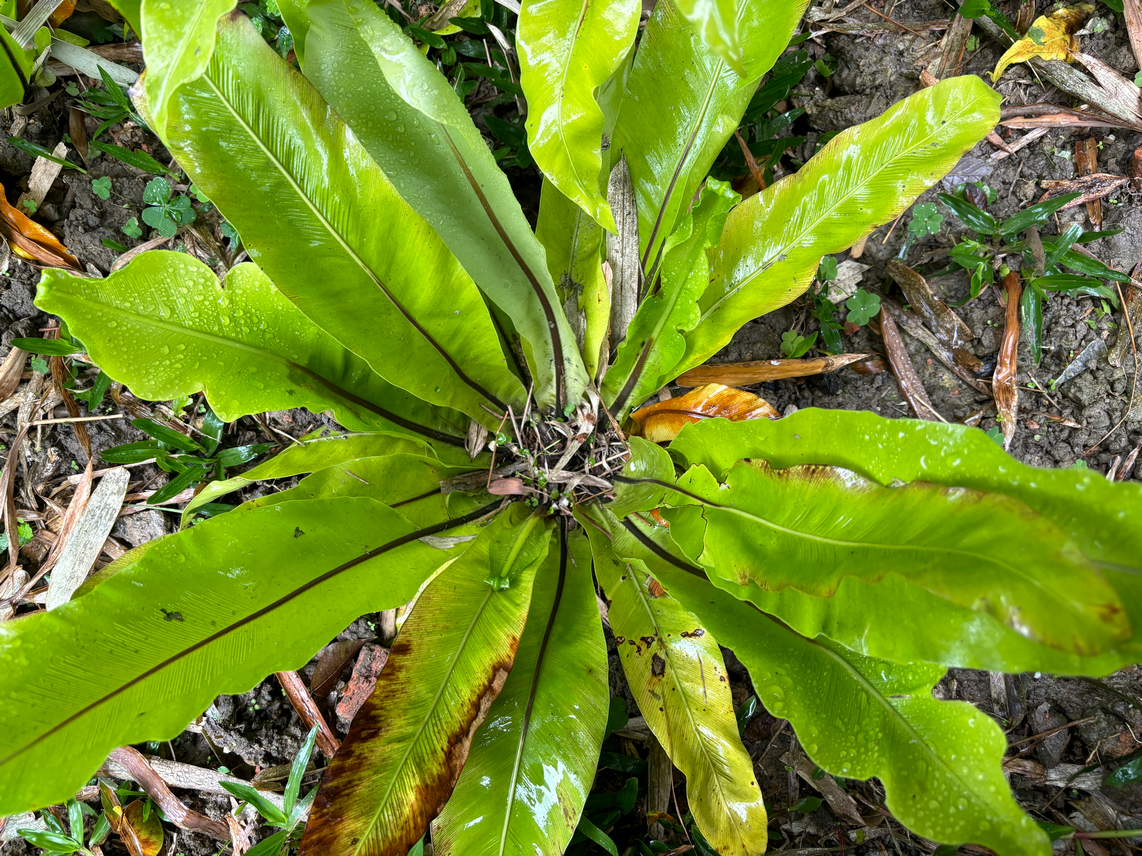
x=482 y=371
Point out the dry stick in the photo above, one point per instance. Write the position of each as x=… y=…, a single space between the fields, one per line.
x=892 y=21
x=154 y=786
x=1133 y=385
x=905 y=373
x=303 y=703
x=67 y=419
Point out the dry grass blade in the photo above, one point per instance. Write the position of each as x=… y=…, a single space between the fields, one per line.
x=661 y=422
x=905 y=372
x=59 y=379
x=70 y=518
x=1091 y=188
x=760 y=371
x=303 y=703
x=151 y=782
x=7 y=479
x=86 y=542
x=10 y=372
x=941 y=320
x=1005 y=388
x=1132 y=17
x=77 y=130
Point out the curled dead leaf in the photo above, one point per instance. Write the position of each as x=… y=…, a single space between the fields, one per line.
x=32 y=241
x=1005 y=387
x=661 y=422
x=1049 y=37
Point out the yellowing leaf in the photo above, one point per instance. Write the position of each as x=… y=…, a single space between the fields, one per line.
x=661 y=422
x=1050 y=37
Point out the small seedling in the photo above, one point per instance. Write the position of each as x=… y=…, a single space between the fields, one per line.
x=132 y=229
x=862 y=306
x=288 y=817
x=926 y=220
x=55 y=839
x=827 y=271
x=24 y=534
x=101 y=187
x=165 y=214
x=187 y=460
x=794 y=345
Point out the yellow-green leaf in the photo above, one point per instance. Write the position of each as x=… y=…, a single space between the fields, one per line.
x=568 y=49
x=865 y=176
x=179 y=43
x=678 y=678
x=1049 y=37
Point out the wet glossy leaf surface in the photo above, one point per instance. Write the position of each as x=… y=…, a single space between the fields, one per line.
x=567 y=51
x=533 y=762
x=940 y=762
x=895 y=619
x=182 y=638
x=445 y=669
x=865 y=176
x=177 y=331
x=412 y=123
x=683 y=102
x=375 y=255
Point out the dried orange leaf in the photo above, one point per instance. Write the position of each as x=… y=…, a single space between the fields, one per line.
x=759 y=371
x=661 y=422
x=141 y=829
x=1049 y=37
x=32 y=241
x=62 y=13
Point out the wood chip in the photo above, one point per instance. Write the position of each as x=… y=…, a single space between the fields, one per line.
x=183 y=776
x=905 y=372
x=952 y=48
x=86 y=543
x=760 y=371
x=44 y=175
x=1090 y=188
x=1086 y=164
x=331 y=662
x=71 y=517
x=1004 y=387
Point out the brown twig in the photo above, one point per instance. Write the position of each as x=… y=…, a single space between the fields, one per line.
x=303 y=703
x=157 y=790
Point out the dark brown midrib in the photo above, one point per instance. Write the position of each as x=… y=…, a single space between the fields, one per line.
x=266 y=610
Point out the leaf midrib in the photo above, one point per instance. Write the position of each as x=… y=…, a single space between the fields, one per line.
x=779 y=254
x=863 y=545
x=350 y=252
